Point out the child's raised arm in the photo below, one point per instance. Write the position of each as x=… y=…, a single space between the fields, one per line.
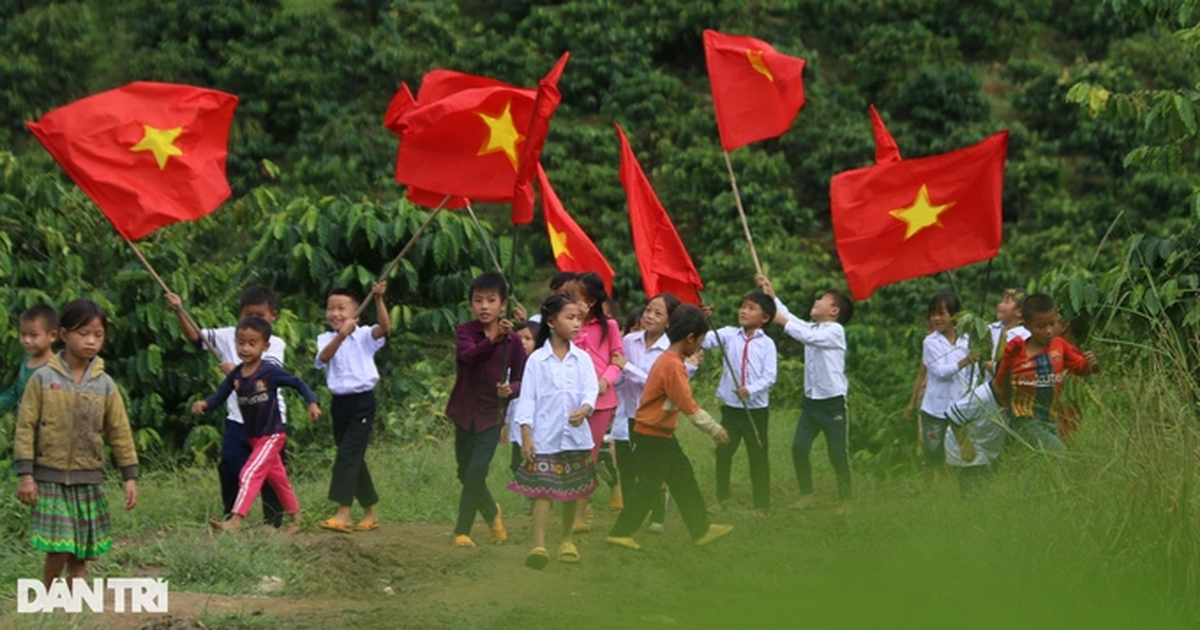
x=383 y=318
x=189 y=329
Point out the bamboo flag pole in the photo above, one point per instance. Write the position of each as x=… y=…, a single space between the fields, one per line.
x=737 y=196
x=487 y=242
x=403 y=252
x=165 y=288
x=729 y=366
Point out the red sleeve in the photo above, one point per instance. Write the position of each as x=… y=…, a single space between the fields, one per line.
x=1073 y=359
x=1012 y=352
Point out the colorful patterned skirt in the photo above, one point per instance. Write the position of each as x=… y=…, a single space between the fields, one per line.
x=71 y=519
x=565 y=476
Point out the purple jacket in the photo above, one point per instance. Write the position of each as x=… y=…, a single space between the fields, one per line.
x=473 y=402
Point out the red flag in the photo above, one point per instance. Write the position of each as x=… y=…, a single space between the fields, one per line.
x=475 y=137
x=885 y=146
x=666 y=266
x=401 y=103
x=757 y=91
x=573 y=250
x=909 y=218
x=148 y=154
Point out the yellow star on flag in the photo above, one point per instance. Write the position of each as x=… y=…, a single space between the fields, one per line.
x=921 y=214
x=558 y=242
x=502 y=135
x=161 y=142
x=756 y=61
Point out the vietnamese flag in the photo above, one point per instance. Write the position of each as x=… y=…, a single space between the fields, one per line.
x=474 y=137
x=902 y=219
x=666 y=266
x=148 y=154
x=401 y=103
x=573 y=250
x=756 y=91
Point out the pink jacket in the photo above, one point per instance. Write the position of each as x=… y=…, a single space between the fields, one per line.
x=601 y=351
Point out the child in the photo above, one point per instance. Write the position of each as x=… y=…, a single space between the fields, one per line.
x=561 y=282
x=823 y=409
x=67 y=412
x=39 y=331
x=254 y=301
x=1029 y=377
x=744 y=392
x=347 y=354
x=488 y=352
x=527 y=331
x=255 y=385
x=601 y=338
x=1007 y=325
x=945 y=355
x=656 y=455
x=560 y=389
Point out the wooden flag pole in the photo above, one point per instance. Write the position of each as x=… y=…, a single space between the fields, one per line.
x=504 y=349
x=403 y=252
x=737 y=196
x=157 y=278
x=487 y=242
x=729 y=366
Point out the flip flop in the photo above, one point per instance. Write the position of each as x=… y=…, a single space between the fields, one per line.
x=365 y=526
x=462 y=541
x=334 y=525
x=568 y=553
x=537 y=558
x=581 y=528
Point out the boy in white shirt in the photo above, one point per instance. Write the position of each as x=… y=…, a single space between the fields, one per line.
x=744 y=392
x=347 y=354
x=946 y=357
x=825 y=386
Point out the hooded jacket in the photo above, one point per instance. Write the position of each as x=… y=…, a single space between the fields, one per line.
x=62 y=426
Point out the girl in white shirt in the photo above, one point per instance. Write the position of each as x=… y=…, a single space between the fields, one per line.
x=558 y=393
x=945 y=355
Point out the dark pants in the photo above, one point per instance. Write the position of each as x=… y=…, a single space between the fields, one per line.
x=352 y=417
x=235 y=450
x=516 y=460
x=660 y=460
x=826 y=416
x=627 y=475
x=738 y=426
x=474 y=452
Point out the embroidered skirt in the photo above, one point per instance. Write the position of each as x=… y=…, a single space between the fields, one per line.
x=565 y=476
x=71 y=519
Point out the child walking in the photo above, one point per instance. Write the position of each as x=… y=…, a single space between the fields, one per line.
x=744 y=392
x=946 y=357
x=601 y=339
x=527 y=331
x=68 y=411
x=254 y=301
x=38 y=327
x=347 y=354
x=656 y=455
x=823 y=409
x=559 y=393
x=488 y=352
x=255 y=385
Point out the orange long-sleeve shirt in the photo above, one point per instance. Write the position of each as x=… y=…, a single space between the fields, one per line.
x=667 y=394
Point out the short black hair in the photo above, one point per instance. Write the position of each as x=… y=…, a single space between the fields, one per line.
x=945 y=299
x=633 y=318
x=686 y=320
x=1037 y=304
x=80 y=313
x=490 y=281
x=255 y=295
x=348 y=292
x=530 y=325
x=844 y=305
x=561 y=278
x=764 y=302
x=43 y=313
x=256 y=323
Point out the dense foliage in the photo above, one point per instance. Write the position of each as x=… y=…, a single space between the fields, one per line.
x=315 y=204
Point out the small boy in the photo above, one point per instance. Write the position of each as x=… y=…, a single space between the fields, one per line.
x=1008 y=325
x=823 y=409
x=1030 y=375
x=490 y=360
x=656 y=453
x=38 y=326
x=347 y=354
x=255 y=301
x=255 y=384
x=744 y=392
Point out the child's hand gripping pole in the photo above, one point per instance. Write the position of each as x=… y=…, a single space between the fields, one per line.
x=729 y=366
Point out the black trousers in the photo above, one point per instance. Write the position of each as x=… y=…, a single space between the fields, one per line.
x=627 y=474
x=660 y=460
x=473 y=452
x=235 y=450
x=826 y=416
x=352 y=415
x=737 y=424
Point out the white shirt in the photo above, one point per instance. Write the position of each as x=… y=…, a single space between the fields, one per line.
x=224 y=342
x=824 y=354
x=510 y=420
x=639 y=359
x=994 y=329
x=753 y=358
x=551 y=389
x=946 y=382
x=352 y=369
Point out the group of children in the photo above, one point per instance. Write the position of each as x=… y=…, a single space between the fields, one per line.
x=561 y=384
